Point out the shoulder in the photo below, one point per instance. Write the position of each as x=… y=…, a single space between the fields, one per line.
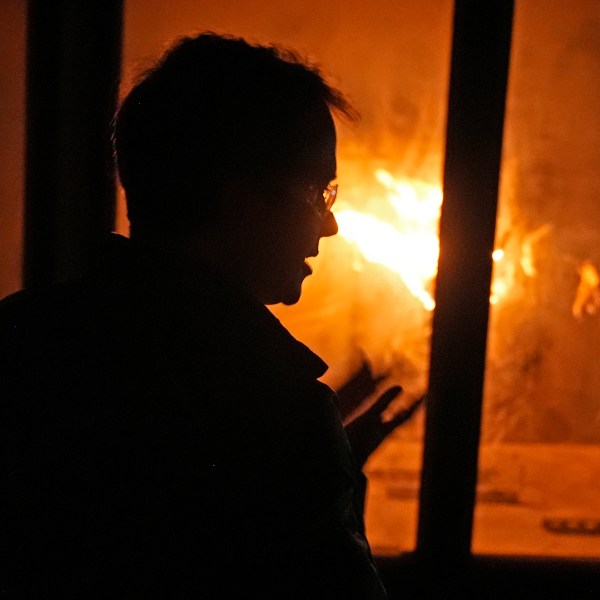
x=47 y=333
x=45 y=308
x=100 y=287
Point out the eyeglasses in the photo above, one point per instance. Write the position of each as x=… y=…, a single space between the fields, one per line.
x=322 y=199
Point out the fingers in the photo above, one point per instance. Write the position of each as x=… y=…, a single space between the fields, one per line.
x=364 y=375
x=403 y=415
x=382 y=402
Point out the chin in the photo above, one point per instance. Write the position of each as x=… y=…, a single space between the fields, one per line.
x=291 y=297
x=288 y=293
x=290 y=301
x=287 y=297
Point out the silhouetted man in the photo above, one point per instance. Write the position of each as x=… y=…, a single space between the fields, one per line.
x=164 y=435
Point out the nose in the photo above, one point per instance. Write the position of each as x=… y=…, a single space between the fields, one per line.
x=329 y=226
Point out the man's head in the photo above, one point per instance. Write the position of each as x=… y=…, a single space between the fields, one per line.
x=219 y=128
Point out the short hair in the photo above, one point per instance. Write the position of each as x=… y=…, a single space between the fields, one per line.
x=214 y=107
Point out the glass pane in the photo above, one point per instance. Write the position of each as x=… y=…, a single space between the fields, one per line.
x=538 y=489
x=369 y=297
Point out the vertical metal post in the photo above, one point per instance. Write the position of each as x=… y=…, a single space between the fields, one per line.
x=73 y=69
x=476 y=106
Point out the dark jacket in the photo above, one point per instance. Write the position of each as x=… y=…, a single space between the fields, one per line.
x=165 y=436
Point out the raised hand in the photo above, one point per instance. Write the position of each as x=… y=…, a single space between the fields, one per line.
x=368 y=430
x=356 y=390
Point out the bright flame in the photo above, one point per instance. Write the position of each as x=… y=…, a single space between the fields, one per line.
x=411 y=247
x=527 y=254
x=499 y=286
x=587 y=297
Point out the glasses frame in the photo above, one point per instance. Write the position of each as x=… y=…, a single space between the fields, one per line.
x=322 y=199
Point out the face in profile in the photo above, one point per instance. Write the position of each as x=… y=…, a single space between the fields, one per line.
x=299 y=219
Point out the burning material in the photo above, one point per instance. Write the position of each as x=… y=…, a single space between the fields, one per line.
x=409 y=246
x=527 y=260
x=587 y=297
x=500 y=285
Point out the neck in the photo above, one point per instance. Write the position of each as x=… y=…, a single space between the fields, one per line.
x=222 y=254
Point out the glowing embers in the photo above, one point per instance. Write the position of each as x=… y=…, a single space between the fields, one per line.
x=409 y=245
x=587 y=296
x=499 y=285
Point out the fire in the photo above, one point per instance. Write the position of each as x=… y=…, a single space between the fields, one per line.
x=409 y=246
x=587 y=297
x=408 y=243
x=527 y=260
x=499 y=285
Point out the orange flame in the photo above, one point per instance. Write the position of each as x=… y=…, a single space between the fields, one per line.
x=408 y=247
x=587 y=297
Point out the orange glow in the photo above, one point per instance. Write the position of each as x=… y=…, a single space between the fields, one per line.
x=409 y=246
x=499 y=286
x=527 y=256
x=587 y=297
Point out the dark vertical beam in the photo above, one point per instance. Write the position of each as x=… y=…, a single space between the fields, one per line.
x=476 y=106
x=73 y=69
